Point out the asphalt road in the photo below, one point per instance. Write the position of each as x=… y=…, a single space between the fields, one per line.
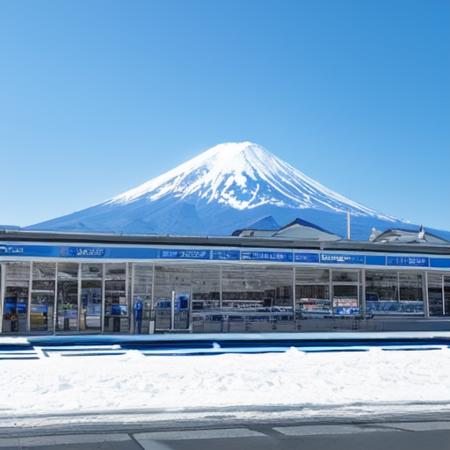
x=386 y=435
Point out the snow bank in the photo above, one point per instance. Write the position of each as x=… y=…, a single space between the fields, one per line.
x=133 y=381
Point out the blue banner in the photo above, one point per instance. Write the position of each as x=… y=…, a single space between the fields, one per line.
x=83 y=252
x=306 y=258
x=266 y=256
x=375 y=260
x=334 y=258
x=410 y=261
x=30 y=250
x=185 y=254
x=226 y=255
x=440 y=262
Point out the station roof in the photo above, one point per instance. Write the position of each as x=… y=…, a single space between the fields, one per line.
x=221 y=241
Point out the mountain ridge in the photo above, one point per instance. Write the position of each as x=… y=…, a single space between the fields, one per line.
x=228 y=186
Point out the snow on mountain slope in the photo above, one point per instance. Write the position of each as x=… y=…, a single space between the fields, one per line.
x=243 y=176
x=228 y=187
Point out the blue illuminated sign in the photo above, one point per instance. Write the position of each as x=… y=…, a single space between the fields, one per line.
x=376 y=260
x=226 y=255
x=11 y=250
x=306 y=258
x=412 y=261
x=334 y=258
x=30 y=250
x=185 y=254
x=83 y=252
x=266 y=256
x=440 y=262
x=218 y=254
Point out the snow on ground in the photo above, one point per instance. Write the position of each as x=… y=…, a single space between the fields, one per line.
x=133 y=381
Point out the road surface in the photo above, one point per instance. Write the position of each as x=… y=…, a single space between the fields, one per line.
x=431 y=433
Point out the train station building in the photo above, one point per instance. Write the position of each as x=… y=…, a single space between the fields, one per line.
x=98 y=283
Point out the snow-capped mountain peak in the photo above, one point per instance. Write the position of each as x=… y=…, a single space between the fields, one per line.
x=228 y=187
x=242 y=175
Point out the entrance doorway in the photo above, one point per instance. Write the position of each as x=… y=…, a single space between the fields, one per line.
x=173 y=294
x=174 y=313
x=91 y=306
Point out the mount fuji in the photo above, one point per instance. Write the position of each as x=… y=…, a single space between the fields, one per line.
x=230 y=186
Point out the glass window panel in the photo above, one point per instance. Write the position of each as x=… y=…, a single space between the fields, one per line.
x=44 y=271
x=67 y=270
x=389 y=292
x=143 y=278
x=116 y=303
x=91 y=271
x=41 y=311
x=345 y=299
x=176 y=279
x=447 y=295
x=43 y=285
x=304 y=275
x=15 y=307
x=205 y=287
x=382 y=292
x=435 y=294
x=91 y=305
x=381 y=285
x=142 y=298
x=67 y=306
x=411 y=287
x=115 y=271
x=257 y=286
x=18 y=271
x=313 y=301
x=411 y=293
x=345 y=276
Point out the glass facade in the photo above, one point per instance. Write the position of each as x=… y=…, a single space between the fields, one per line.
x=312 y=292
x=116 y=317
x=143 y=297
x=16 y=279
x=247 y=287
x=436 y=295
x=393 y=292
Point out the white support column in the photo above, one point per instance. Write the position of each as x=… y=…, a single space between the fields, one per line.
x=55 y=300
x=331 y=291
x=294 y=306
x=426 y=303
x=363 y=292
x=127 y=296
x=443 y=294
x=172 y=312
x=2 y=293
x=153 y=288
x=152 y=321
x=131 y=313
x=103 y=299
x=30 y=285
x=220 y=287
x=79 y=298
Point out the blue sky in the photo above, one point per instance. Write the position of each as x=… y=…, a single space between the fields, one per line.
x=99 y=96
